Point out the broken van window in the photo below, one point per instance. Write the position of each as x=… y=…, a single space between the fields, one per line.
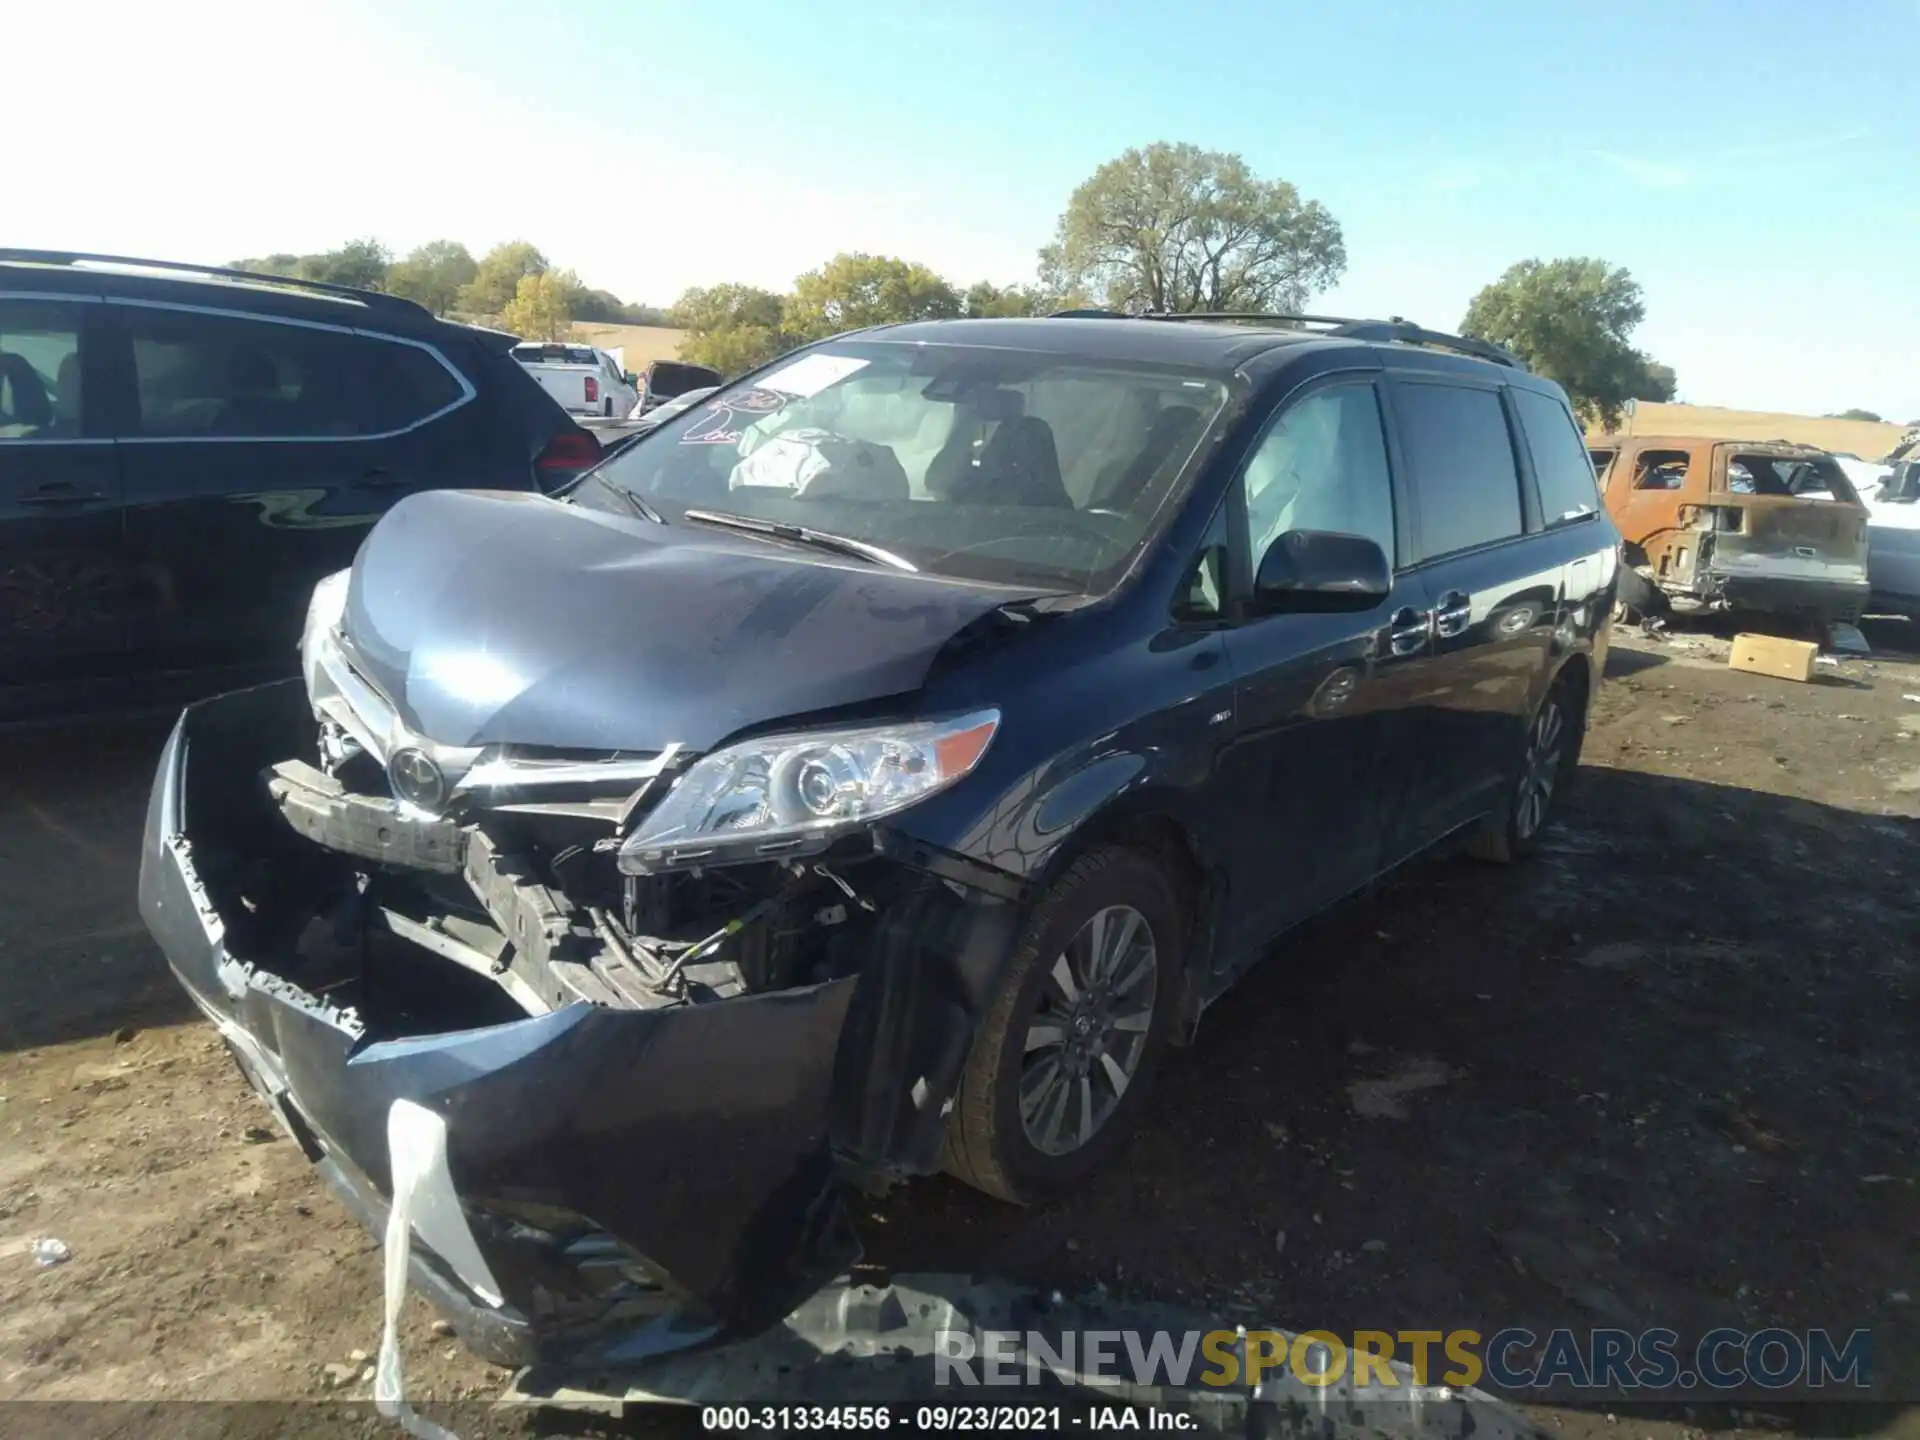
x=1805 y=478
x=1661 y=470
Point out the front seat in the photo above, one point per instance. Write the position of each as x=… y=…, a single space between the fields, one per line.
x=1020 y=465
x=66 y=395
x=23 y=395
x=958 y=459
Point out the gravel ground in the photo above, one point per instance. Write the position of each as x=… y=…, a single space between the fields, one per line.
x=1664 y=1074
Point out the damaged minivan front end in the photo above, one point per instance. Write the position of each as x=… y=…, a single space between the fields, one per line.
x=668 y=994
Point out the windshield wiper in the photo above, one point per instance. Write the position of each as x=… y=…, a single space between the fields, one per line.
x=633 y=501
x=803 y=534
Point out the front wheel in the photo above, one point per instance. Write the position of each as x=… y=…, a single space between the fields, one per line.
x=1548 y=760
x=1068 y=1046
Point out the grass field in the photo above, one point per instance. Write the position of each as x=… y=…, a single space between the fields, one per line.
x=1865 y=438
x=641 y=344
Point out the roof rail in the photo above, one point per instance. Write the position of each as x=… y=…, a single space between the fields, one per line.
x=322 y=287
x=1395 y=328
x=1291 y=321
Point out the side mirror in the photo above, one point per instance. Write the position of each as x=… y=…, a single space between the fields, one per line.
x=631 y=378
x=1317 y=570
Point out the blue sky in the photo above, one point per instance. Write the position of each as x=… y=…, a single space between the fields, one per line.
x=1753 y=164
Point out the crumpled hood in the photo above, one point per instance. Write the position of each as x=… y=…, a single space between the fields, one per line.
x=493 y=618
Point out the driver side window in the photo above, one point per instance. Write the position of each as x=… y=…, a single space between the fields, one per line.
x=1321 y=465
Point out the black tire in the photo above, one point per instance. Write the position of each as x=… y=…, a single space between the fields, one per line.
x=988 y=1144
x=1514 y=830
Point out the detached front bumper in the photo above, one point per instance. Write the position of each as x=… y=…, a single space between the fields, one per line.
x=631 y=1180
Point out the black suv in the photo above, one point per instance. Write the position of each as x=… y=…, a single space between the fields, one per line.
x=868 y=771
x=184 y=452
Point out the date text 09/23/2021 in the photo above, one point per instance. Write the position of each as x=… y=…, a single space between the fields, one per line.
x=958 y=1419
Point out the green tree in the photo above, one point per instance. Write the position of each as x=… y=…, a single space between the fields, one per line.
x=542 y=305
x=1572 y=320
x=359 y=263
x=601 y=307
x=433 y=275
x=1175 y=227
x=1856 y=415
x=497 y=278
x=985 y=300
x=852 y=291
x=1657 y=382
x=733 y=328
x=279 y=263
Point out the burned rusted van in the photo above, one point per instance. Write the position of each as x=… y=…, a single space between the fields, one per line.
x=1737 y=525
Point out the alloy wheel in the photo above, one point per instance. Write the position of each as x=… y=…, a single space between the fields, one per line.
x=1089 y=1030
x=55 y=595
x=1540 y=770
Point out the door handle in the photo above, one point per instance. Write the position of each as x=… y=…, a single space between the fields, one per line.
x=1408 y=630
x=60 y=493
x=378 y=479
x=1453 y=614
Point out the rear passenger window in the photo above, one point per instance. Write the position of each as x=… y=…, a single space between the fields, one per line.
x=1660 y=470
x=1464 y=476
x=417 y=385
x=39 y=370
x=1560 y=465
x=224 y=377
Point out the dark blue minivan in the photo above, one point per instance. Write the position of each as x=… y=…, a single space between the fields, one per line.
x=867 y=772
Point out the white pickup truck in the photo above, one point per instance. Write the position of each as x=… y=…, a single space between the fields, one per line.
x=1891 y=490
x=584 y=380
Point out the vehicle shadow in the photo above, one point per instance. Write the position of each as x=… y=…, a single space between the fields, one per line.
x=75 y=961
x=1629 y=660
x=1665 y=1073
x=1892 y=637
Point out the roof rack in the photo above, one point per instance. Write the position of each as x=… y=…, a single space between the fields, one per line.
x=322 y=287
x=1395 y=328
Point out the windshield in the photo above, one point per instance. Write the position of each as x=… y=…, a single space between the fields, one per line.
x=997 y=465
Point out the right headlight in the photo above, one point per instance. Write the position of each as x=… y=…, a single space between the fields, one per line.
x=780 y=795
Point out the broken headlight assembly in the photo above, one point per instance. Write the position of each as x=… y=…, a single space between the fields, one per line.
x=795 y=794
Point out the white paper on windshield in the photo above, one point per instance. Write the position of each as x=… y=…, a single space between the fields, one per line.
x=811 y=374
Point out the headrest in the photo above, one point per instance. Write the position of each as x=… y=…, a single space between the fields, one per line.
x=999 y=405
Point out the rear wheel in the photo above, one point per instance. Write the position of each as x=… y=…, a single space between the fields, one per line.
x=1548 y=760
x=60 y=595
x=1069 y=1045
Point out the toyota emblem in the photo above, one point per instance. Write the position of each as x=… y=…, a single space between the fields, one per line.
x=417 y=780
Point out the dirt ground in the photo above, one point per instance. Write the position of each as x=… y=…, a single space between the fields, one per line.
x=1663 y=1074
